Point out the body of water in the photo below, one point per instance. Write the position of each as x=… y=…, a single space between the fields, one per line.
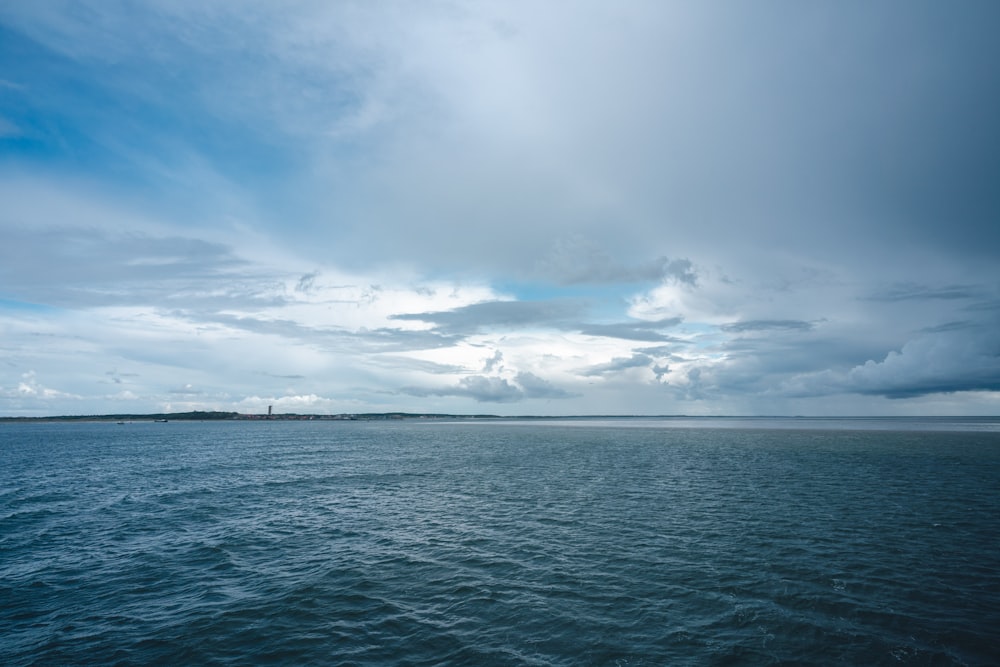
x=583 y=542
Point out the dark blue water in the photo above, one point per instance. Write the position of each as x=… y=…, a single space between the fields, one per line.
x=579 y=543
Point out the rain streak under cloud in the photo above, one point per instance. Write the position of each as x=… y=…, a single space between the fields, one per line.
x=511 y=207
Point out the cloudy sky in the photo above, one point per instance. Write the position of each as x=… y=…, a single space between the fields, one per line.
x=505 y=207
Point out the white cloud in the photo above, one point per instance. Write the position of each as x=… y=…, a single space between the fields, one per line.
x=30 y=390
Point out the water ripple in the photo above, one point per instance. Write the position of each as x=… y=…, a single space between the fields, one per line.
x=526 y=544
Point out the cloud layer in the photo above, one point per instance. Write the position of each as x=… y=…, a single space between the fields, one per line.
x=643 y=208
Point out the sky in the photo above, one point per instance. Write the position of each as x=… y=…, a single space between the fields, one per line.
x=514 y=208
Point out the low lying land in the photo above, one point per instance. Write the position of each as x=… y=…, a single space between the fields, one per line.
x=236 y=416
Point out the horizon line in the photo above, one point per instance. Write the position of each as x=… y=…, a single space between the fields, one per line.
x=224 y=415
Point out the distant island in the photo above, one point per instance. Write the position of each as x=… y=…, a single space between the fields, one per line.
x=199 y=415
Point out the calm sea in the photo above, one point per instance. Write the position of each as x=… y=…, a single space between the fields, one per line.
x=586 y=542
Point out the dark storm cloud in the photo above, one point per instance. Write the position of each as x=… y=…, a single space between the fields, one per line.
x=949 y=361
x=901 y=103
x=942 y=360
x=951 y=385
x=768 y=366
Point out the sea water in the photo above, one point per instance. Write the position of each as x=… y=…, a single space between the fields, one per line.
x=563 y=542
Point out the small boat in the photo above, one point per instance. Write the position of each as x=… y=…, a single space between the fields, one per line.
x=160 y=421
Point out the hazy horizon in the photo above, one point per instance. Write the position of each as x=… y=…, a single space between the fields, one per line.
x=512 y=208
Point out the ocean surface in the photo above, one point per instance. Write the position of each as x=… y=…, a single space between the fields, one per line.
x=615 y=542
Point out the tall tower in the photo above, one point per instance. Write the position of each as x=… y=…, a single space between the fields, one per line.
x=269 y=410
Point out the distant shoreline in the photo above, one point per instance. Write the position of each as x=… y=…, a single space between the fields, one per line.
x=198 y=415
